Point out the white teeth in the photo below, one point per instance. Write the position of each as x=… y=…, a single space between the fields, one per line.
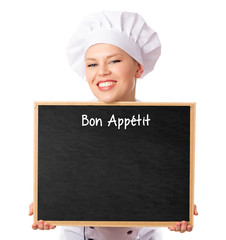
x=106 y=84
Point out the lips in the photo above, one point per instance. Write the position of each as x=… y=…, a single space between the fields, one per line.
x=106 y=85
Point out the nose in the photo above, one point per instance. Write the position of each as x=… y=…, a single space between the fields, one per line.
x=103 y=70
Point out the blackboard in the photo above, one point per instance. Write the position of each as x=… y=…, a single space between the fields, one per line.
x=121 y=164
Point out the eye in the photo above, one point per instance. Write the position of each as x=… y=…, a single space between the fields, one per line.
x=92 y=65
x=115 y=61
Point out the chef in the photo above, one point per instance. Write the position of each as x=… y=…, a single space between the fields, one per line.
x=111 y=50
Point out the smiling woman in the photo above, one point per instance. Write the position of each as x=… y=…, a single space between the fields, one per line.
x=111 y=73
x=110 y=50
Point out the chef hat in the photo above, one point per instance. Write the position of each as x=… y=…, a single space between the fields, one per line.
x=125 y=30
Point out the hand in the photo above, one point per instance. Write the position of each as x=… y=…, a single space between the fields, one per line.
x=41 y=225
x=183 y=226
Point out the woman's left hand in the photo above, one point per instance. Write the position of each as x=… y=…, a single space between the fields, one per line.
x=183 y=226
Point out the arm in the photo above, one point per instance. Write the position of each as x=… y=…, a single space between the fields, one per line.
x=41 y=225
x=183 y=226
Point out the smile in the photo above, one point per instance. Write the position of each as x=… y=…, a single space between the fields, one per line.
x=106 y=85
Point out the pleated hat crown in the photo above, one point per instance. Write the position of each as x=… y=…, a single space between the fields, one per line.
x=125 y=30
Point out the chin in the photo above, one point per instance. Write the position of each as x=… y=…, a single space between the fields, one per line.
x=107 y=99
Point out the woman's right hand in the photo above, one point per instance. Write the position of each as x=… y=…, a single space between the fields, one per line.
x=41 y=225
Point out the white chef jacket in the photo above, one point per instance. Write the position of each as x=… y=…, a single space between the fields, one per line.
x=110 y=233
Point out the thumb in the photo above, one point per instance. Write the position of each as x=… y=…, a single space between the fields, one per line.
x=31 y=209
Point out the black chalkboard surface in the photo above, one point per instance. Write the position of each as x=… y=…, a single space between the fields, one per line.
x=122 y=164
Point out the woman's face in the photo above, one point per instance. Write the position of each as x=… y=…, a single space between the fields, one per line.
x=111 y=73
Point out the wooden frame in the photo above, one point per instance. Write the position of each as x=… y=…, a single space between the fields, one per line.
x=115 y=223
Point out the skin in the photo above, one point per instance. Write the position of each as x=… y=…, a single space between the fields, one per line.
x=41 y=225
x=108 y=62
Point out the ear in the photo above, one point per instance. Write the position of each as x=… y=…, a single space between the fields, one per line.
x=139 y=70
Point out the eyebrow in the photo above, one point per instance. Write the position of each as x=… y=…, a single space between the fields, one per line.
x=110 y=56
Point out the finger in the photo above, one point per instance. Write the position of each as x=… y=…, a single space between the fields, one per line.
x=195 y=210
x=31 y=209
x=41 y=225
x=183 y=227
x=178 y=227
x=189 y=228
x=172 y=228
x=52 y=227
x=34 y=226
x=46 y=226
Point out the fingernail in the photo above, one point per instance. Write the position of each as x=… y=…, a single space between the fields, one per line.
x=189 y=228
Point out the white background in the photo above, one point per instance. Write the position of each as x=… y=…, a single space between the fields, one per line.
x=34 y=67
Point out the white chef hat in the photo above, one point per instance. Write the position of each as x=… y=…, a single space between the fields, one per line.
x=125 y=30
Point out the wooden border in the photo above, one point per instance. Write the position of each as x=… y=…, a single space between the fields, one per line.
x=118 y=223
x=192 y=161
x=35 y=200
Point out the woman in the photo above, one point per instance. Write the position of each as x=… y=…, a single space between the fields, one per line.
x=111 y=50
